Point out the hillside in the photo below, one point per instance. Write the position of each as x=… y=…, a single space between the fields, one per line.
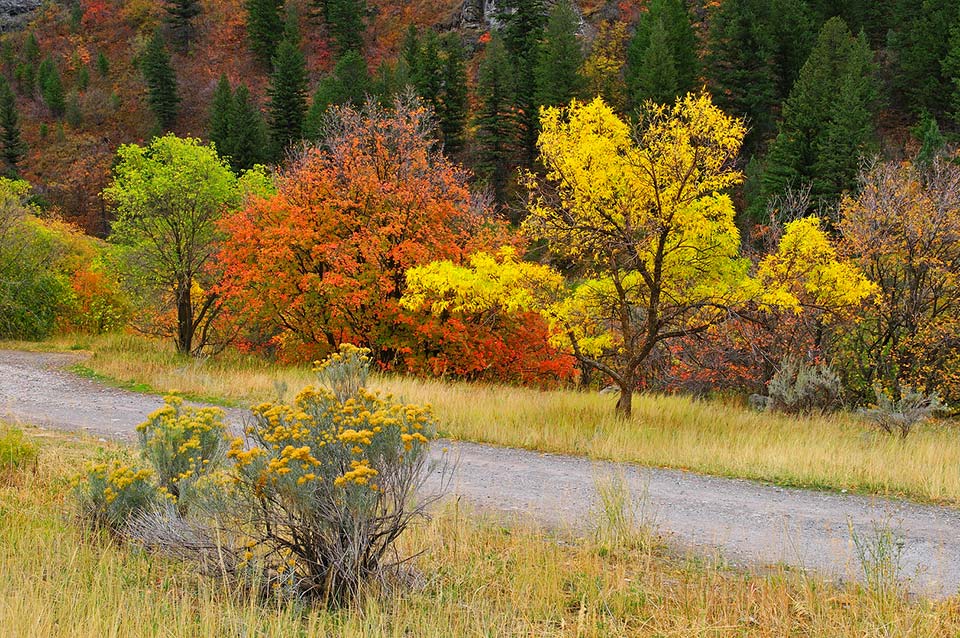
x=95 y=44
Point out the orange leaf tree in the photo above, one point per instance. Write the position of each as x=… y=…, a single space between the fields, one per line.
x=324 y=260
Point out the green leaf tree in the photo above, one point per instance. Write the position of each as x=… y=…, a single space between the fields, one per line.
x=170 y=232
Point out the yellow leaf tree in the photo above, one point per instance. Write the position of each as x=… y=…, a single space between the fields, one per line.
x=640 y=219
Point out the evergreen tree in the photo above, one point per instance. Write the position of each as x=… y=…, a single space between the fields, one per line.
x=523 y=25
x=288 y=94
x=828 y=120
x=348 y=84
x=755 y=51
x=248 y=138
x=410 y=49
x=653 y=75
x=345 y=22
x=83 y=79
x=932 y=141
x=495 y=119
x=180 y=15
x=559 y=57
x=12 y=147
x=951 y=71
x=264 y=27
x=221 y=112
x=31 y=49
x=428 y=70
x=454 y=101
x=103 y=65
x=664 y=38
x=51 y=87
x=161 y=82
x=920 y=44
x=26 y=76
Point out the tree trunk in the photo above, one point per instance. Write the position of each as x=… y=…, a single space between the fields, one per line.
x=184 y=319
x=625 y=402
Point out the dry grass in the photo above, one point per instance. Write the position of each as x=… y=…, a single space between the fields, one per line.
x=478 y=578
x=838 y=452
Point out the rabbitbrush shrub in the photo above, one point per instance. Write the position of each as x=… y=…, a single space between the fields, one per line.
x=325 y=485
x=15 y=450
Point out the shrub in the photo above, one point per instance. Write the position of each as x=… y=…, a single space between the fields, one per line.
x=182 y=443
x=798 y=387
x=15 y=450
x=111 y=493
x=325 y=485
x=901 y=415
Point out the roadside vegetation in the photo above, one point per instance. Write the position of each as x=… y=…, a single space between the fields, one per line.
x=476 y=578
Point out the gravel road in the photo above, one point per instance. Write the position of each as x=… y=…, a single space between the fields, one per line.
x=743 y=521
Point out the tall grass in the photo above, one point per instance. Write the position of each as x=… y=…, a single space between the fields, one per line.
x=838 y=452
x=475 y=578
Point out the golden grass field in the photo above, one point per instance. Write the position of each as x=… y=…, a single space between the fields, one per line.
x=476 y=577
x=838 y=452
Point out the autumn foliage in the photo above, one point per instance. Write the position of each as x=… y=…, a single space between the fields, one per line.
x=324 y=261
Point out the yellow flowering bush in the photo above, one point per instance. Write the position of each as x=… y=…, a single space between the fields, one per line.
x=182 y=443
x=328 y=481
x=110 y=493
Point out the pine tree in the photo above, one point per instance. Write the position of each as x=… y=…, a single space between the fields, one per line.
x=180 y=15
x=828 y=120
x=674 y=52
x=755 y=51
x=951 y=71
x=161 y=82
x=51 y=87
x=559 y=58
x=264 y=27
x=932 y=141
x=454 y=101
x=654 y=74
x=248 y=138
x=31 y=49
x=495 y=119
x=345 y=21
x=428 y=70
x=523 y=25
x=288 y=94
x=12 y=147
x=221 y=112
x=410 y=49
x=920 y=43
x=348 y=84
x=103 y=64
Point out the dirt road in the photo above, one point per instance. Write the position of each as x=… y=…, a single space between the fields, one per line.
x=746 y=522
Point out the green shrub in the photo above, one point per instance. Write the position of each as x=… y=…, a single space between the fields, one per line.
x=799 y=387
x=15 y=450
x=113 y=492
x=182 y=444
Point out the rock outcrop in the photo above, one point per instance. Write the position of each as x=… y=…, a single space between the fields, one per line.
x=16 y=13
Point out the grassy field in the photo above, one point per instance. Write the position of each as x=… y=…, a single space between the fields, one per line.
x=836 y=452
x=475 y=578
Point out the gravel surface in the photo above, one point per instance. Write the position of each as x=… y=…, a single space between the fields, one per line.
x=744 y=522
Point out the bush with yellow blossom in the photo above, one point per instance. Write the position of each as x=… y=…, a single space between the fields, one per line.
x=182 y=443
x=111 y=492
x=328 y=482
